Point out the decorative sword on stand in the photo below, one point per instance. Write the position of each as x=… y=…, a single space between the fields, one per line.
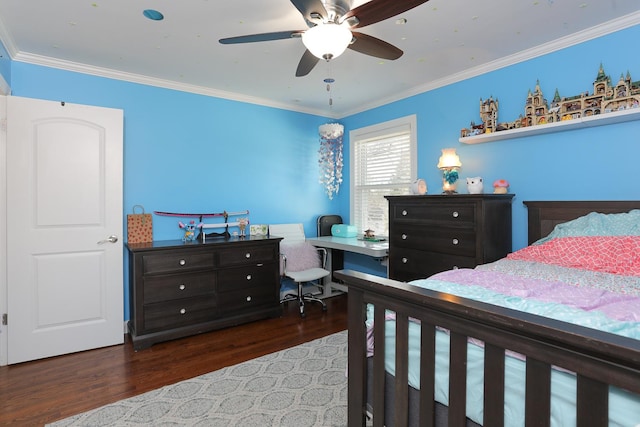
x=202 y=235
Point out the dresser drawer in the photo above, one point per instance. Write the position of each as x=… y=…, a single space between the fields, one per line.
x=175 y=286
x=411 y=264
x=180 y=312
x=183 y=261
x=461 y=242
x=453 y=214
x=248 y=298
x=248 y=254
x=230 y=279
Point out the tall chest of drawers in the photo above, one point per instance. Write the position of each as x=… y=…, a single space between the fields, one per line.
x=434 y=233
x=180 y=288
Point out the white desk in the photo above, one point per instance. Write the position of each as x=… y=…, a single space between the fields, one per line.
x=378 y=250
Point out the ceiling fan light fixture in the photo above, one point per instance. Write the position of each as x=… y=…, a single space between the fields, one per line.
x=327 y=41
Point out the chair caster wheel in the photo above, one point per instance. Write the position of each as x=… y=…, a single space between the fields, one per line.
x=303 y=315
x=324 y=308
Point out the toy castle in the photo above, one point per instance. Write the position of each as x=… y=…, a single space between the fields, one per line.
x=605 y=99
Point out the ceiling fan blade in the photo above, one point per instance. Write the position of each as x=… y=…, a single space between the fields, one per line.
x=379 y=10
x=373 y=46
x=251 y=38
x=306 y=64
x=308 y=7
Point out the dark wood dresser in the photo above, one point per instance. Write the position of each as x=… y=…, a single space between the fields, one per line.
x=432 y=233
x=181 y=288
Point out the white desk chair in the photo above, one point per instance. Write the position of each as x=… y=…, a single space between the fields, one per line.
x=300 y=261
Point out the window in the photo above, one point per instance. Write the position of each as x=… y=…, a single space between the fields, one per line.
x=383 y=162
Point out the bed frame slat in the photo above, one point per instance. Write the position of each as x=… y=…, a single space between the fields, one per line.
x=378 y=367
x=402 y=370
x=494 y=385
x=427 y=374
x=538 y=393
x=457 y=379
x=592 y=402
x=356 y=394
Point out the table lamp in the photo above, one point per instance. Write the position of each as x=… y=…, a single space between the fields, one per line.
x=449 y=163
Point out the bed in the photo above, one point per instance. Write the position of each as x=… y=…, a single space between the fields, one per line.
x=449 y=359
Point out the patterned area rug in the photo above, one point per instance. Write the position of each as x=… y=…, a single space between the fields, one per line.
x=301 y=386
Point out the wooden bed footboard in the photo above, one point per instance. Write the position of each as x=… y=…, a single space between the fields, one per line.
x=598 y=359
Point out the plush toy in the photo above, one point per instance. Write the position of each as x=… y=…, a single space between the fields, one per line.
x=189 y=230
x=474 y=185
x=500 y=186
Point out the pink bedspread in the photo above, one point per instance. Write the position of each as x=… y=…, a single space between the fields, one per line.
x=610 y=254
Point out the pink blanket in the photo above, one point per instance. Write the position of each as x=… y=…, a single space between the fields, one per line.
x=609 y=254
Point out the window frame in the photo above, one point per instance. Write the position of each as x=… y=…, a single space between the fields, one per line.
x=381 y=130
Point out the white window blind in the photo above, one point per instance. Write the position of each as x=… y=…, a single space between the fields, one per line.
x=383 y=162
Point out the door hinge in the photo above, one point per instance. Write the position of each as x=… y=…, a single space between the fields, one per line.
x=5 y=318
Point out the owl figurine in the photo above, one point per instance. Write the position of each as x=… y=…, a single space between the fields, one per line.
x=474 y=185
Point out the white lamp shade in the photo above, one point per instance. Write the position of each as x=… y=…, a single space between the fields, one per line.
x=327 y=41
x=449 y=159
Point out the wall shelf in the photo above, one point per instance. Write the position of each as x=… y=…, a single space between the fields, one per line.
x=599 y=120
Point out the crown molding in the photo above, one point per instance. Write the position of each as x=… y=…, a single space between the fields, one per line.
x=609 y=27
x=151 y=81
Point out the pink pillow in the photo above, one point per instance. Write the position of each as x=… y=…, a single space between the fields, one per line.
x=300 y=256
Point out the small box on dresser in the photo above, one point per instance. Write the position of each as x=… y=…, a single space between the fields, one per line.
x=433 y=233
x=181 y=288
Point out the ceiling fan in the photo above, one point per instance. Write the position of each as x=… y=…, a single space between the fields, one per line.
x=331 y=24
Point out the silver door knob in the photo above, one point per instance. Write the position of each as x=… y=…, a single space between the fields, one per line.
x=110 y=239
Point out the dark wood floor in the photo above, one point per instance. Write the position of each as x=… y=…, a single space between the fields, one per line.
x=39 y=392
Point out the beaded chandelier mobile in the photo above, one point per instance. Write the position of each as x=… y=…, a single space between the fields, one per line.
x=330 y=157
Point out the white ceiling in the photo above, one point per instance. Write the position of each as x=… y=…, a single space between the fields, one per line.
x=443 y=41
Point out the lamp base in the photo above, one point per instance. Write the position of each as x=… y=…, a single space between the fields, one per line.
x=449 y=187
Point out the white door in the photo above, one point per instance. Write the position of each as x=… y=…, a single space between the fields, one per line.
x=64 y=225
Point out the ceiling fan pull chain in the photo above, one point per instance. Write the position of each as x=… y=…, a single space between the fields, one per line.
x=328 y=81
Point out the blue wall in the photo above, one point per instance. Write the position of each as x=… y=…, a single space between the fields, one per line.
x=187 y=152
x=589 y=164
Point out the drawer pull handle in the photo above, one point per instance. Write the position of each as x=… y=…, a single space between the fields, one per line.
x=247 y=255
x=248 y=277
x=182 y=262
x=404 y=213
x=455 y=214
x=249 y=298
x=183 y=311
x=182 y=287
x=404 y=260
x=404 y=237
x=455 y=241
